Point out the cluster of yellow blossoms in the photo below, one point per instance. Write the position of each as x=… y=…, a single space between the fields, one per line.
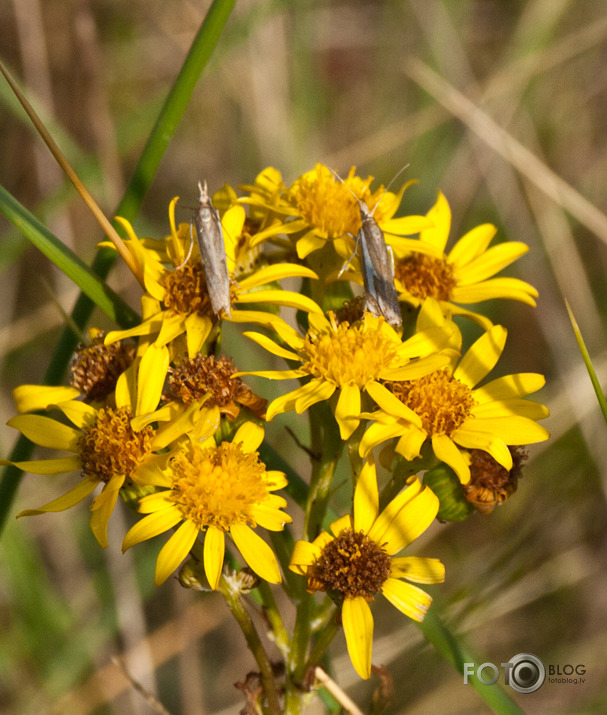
x=155 y=415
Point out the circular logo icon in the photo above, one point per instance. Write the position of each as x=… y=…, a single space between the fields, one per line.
x=527 y=673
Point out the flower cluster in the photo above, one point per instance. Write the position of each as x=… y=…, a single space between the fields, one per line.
x=154 y=414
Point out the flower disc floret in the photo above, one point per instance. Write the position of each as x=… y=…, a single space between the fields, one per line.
x=426 y=277
x=351 y=565
x=349 y=354
x=111 y=446
x=441 y=400
x=218 y=487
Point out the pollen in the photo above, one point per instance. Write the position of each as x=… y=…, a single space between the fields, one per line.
x=426 y=277
x=186 y=290
x=350 y=354
x=328 y=204
x=95 y=368
x=351 y=565
x=111 y=446
x=205 y=375
x=443 y=402
x=218 y=486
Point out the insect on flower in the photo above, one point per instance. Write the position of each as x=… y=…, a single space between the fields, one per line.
x=209 y=235
x=377 y=266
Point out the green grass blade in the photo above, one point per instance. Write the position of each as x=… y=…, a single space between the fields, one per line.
x=447 y=644
x=163 y=130
x=600 y=396
x=67 y=261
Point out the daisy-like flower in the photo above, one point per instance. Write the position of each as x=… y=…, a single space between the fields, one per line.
x=318 y=208
x=358 y=562
x=177 y=302
x=458 y=416
x=215 y=489
x=111 y=446
x=351 y=359
x=464 y=275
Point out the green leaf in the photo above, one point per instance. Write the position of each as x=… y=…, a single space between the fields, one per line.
x=67 y=261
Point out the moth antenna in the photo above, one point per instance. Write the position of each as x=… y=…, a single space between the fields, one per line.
x=337 y=176
x=187 y=258
x=385 y=191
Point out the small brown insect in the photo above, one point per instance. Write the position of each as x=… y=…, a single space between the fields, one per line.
x=209 y=235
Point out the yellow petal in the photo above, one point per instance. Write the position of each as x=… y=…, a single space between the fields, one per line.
x=481 y=357
x=409 y=599
x=258 y=555
x=271 y=346
x=175 y=551
x=126 y=388
x=358 y=629
x=275 y=272
x=405 y=226
x=149 y=327
x=387 y=401
x=410 y=442
x=280 y=297
x=75 y=495
x=172 y=327
x=344 y=522
x=197 y=328
x=304 y=554
x=376 y=434
x=250 y=434
x=366 y=497
x=510 y=386
x=102 y=508
x=46 y=432
x=445 y=449
x=491 y=262
x=155 y=523
x=347 y=410
x=417 y=569
x=78 y=413
x=309 y=243
x=31 y=398
x=517 y=406
x=214 y=552
x=150 y=379
x=409 y=522
x=48 y=466
x=440 y=215
x=311 y=393
x=472 y=244
x=507 y=288
x=269 y=514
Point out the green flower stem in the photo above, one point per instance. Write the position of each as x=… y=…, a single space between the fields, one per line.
x=301 y=636
x=255 y=645
x=270 y=607
x=404 y=469
x=457 y=654
x=328 y=445
x=325 y=636
x=159 y=139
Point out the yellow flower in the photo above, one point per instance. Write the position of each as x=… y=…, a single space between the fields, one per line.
x=177 y=302
x=215 y=489
x=357 y=561
x=318 y=208
x=350 y=359
x=464 y=275
x=110 y=445
x=455 y=413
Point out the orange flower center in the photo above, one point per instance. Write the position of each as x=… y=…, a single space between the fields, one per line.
x=443 y=402
x=351 y=565
x=111 y=446
x=218 y=486
x=426 y=277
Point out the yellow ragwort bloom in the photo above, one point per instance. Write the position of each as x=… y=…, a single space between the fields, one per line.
x=318 y=208
x=464 y=275
x=111 y=446
x=457 y=416
x=358 y=562
x=177 y=302
x=215 y=489
x=350 y=359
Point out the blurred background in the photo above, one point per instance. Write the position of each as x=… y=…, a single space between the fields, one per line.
x=379 y=85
